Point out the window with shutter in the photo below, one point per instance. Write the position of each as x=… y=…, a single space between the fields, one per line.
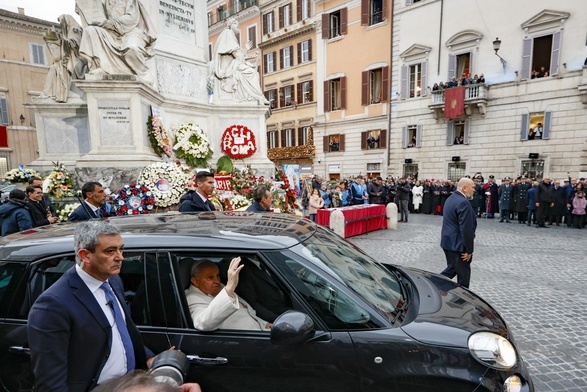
x=382 y=138
x=403 y=91
x=343 y=21
x=327 y=102
x=37 y=54
x=325 y=26
x=252 y=35
x=371 y=140
x=343 y=92
x=365 y=88
x=450 y=131
x=537 y=126
x=4 y=111
x=419 y=136
x=524 y=127
x=412 y=136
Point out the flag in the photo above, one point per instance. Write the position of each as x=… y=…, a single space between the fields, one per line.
x=454 y=102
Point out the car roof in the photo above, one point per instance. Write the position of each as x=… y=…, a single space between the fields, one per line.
x=221 y=230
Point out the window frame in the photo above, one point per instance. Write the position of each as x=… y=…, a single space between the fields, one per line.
x=37 y=50
x=272 y=139
x=456 y=170
x=4 y=113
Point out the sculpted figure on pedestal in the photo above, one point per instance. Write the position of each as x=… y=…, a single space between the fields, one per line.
x=118 y=37
x=235 y=68
x=67 y=64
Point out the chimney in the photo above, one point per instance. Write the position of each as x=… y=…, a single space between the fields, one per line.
x=21 y=10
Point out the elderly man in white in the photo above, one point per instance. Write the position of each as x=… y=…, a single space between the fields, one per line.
x=215 y=306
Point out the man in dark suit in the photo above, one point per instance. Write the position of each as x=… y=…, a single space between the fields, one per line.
x=259 y=289
x=263 y=199
x=198 y=200
x=46 y=200
x=458 y=232
x=40 y=213
x=92 y=206
x=80 y=330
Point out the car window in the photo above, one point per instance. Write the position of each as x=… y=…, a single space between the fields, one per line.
x=12 y=287
x=332 y=304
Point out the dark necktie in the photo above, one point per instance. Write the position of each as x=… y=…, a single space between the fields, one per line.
x=121 y=325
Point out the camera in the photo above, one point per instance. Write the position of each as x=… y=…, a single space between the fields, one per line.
x=171 y=367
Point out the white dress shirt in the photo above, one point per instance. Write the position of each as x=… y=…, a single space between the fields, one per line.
x=115 y=365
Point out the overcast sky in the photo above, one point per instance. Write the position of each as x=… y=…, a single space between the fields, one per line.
x=42 y=9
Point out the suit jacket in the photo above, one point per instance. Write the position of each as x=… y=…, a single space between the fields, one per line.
x=82 y=213
x=38 y=213
x=192 y=202
x=458 y=224
x=260 y=290
x=256 y=207
x=70 y=336
x=210 y=313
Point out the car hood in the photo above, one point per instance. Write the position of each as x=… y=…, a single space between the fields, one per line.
x=448 y=314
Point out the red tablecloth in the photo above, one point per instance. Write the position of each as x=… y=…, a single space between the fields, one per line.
x=358 y=219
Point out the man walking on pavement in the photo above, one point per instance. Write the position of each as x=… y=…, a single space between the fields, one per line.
x=458 y=232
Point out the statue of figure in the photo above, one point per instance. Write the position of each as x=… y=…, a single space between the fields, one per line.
x=64 y=48
x=235 y=69
x=118 y=37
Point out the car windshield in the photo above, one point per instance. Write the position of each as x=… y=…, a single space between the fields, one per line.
x=369 y=280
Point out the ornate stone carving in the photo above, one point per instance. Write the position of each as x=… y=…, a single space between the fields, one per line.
x=235 y=69
x=118 y=37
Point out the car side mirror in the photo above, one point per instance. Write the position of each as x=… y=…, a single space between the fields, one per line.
x=292 y=327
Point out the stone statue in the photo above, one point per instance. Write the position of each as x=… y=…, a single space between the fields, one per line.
x=64 y=48
x=118 y=37
x=235 y=69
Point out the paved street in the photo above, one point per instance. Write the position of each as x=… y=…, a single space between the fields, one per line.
x=535 y=278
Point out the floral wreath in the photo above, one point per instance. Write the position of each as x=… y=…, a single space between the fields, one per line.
x=236 y=136
x=20 y=175
x=192 y=145
x=160 y=141
x=134 y=200
x=166 y=181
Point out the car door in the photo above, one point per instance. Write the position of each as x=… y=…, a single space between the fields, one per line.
x=231 y=360
x=15 y=373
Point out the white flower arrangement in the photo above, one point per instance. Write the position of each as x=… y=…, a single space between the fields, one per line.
x=59 y=183
x=166 y=181
x=64 y=212
x=239 y=201
x=192 y=145
x=20 y=175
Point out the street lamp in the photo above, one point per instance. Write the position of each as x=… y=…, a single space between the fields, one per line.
x=496 y=45
x=22 y=119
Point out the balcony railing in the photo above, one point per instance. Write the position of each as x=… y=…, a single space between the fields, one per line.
x=475 y=95
x=223 y=13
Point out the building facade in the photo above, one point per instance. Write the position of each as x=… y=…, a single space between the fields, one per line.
x=529 y=116
x=290 y=80
x=354 y=65
x=23 y=68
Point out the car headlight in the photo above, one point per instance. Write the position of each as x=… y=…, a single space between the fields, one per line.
x=492 y=350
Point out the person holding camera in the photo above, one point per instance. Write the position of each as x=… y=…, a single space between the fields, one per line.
x=80 y=330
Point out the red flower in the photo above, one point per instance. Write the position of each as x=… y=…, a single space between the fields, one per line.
x=132 y=184
x=135 y=212
x=135 y=191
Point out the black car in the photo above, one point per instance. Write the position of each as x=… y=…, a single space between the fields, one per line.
x=352 y=325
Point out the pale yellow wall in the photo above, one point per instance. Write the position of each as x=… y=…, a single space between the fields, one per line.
x=352 y=54
x=22 y=80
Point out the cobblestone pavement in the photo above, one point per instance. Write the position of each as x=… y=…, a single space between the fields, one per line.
x=535 y=278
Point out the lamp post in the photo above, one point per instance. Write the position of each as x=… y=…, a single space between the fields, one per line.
x=22 y=119
x=496 y=45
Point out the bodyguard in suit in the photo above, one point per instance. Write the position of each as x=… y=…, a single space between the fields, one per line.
x=198 y=200
x=215 y=306
x=80 y=330
x=458 y=232
x=263 y=199
x=92 y=206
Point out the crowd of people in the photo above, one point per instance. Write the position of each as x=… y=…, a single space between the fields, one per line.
x=526 y=200
x=464 y=80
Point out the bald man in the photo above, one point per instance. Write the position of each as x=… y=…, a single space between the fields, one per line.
x=458 y=232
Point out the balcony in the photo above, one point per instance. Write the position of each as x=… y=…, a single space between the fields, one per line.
x=475 y=96
x=222 y=13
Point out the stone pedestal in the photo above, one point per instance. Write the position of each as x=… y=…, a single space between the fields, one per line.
x=118 y=110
